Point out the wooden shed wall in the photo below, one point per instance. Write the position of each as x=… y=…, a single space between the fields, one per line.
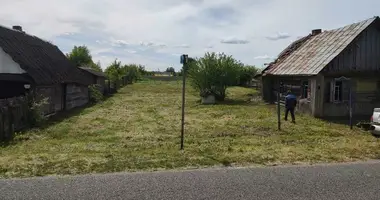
x=361 y=55
x=76 y=96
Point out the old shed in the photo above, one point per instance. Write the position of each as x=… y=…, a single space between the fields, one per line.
x=30 y=63
x=96 y=77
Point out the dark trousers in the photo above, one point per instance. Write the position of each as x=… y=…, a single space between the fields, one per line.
x=291 y=110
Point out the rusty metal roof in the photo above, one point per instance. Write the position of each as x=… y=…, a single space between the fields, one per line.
x=309 y=55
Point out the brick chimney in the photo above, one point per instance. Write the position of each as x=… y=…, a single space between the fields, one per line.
x=17 y=28
x=316 y=31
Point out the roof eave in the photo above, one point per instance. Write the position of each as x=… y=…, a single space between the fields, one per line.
x=289 y=75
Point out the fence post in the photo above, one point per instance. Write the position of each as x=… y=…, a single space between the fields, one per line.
x=11 y=122
x=2 y=130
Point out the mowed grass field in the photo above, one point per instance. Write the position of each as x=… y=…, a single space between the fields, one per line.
x=139 y=129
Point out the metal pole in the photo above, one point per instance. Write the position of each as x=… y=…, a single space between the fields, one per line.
x=350 y=105
x=183 y=104
x=278 y=108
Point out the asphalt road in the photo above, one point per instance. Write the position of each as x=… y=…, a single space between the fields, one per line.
x=344 y=181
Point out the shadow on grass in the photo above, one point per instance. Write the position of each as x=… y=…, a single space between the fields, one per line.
x=59 y=117
x=234 y=102
x=52 y=120
x=249 y=101
x=346 y=120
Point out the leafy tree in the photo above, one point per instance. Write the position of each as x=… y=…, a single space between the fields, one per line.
x=171 y=70
x=114 y=72
x=142 y=70
x=180 y=72
x=191 y=61
x=81 y=56
x=247 y=74
x=97 y=66
x=213 y=73
x=132 y=72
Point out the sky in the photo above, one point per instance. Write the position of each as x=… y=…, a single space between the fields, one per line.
x=155 y=33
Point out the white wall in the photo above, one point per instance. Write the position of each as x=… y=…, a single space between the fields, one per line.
x=8 y=65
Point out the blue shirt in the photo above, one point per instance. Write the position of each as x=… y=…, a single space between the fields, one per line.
x=290 y=101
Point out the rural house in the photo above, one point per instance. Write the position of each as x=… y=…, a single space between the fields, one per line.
x=95 y=77
x=323 y=67
x=28 y=62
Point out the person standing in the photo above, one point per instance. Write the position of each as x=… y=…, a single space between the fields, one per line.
x=290 y=105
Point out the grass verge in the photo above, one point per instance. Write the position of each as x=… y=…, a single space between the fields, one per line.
x=139 y=129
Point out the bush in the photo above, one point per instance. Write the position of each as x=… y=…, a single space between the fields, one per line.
x=213 y=73
x=247 y=74
x=95 y=94
x=36 y=116
x=132 y=72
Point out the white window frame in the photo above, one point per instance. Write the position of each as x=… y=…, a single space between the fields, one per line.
x=333 y=87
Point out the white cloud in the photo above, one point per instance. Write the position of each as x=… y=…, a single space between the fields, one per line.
x=68 y=33
x=119 y=43
x=264 y=57
x=109 y=27
x=182 y=46
x=278 y=36
x=131 y=51
x=234 y=40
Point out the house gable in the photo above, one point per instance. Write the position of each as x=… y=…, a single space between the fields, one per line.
x=318 y=51
x=362 y=55
x=8 y=65
x=44 y=63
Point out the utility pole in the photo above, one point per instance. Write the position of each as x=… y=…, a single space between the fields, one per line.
x=184 y=61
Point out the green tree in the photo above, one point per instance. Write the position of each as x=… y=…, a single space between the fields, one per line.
x=170 y=69
x=213 y=73
x=142 y=70
x=247 y=74
x=81 y=56
x=97 y=66
x=114 y=71
x=132 y=72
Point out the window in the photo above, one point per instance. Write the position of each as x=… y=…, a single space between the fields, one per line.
x=305 y=89
x=337 y=91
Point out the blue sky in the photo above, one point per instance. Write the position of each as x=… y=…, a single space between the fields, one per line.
x=155 y=33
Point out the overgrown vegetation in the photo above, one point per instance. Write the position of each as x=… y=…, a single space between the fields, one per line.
x=95 y=94
x=132 y=72
x=247 y=74
x=213 y=73
x=139 y=128
x=81 y=56
x=35 y=115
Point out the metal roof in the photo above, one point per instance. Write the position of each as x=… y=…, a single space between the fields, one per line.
x=92 y=71
x=313 y=53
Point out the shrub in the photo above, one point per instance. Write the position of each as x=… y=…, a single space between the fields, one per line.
x=247 y=74
x=36 y=116
x=95 y=94
x=213 y=73
x=132 y=72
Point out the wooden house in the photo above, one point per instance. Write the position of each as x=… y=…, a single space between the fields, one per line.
x=30 y=63
x=327 y=69
x=96 y=77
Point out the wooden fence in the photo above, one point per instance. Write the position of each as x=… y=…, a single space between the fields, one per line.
x=13 y=116
x=111 y=87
